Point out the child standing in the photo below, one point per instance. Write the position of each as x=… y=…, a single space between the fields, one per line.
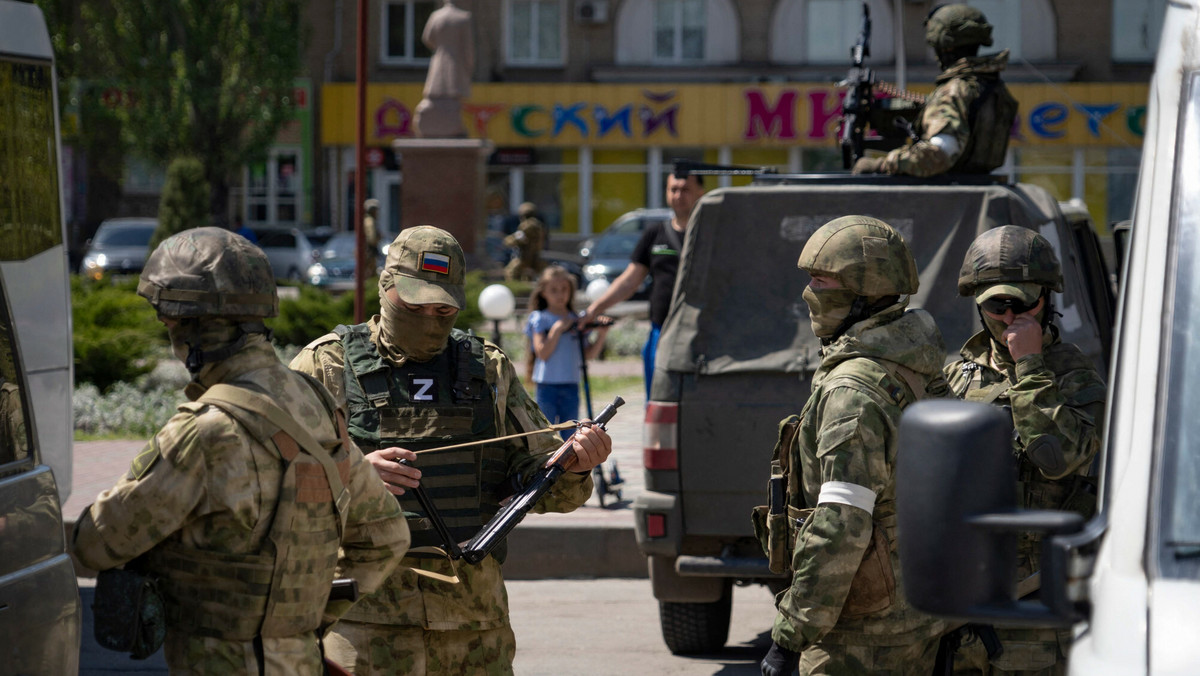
x=556 y=346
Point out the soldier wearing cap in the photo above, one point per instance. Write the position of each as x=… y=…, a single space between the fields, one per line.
x=528 y=240
x=413 y=382
x=370 y=234
x=844 y=611
x=965 y=123
x=251 y=499
x=1055 y=396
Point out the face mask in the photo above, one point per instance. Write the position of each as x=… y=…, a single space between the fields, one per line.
x=417 y=336
x=828 y=308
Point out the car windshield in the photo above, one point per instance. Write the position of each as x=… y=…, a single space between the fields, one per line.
x=1180 y=464
x=125 y=235
x=339 y=246
x=618 y=241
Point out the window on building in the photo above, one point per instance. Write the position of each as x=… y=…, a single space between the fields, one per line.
x=667 y=32
x=823 y=31
x=1136 y=25
x=403 y=22
x=679 y=30
x=535 y=32
x=1026 y=28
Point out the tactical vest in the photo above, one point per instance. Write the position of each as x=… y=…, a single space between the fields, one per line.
x=282 y=590
x=1075 y=493
x=990 y=116
x=777 y=524
x=416 y=406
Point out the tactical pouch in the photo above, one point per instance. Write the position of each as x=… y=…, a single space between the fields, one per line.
x=776 y=523
x=873 y=588
x=128 y=613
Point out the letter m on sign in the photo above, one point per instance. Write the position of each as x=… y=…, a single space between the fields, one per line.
x=765 y=121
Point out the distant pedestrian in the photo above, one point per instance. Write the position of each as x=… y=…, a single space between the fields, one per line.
x=555 y=340
x=242 y=229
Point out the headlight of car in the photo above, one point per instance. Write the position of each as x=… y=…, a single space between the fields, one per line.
x=316 y=272
x=594 y=271
x=93 y=265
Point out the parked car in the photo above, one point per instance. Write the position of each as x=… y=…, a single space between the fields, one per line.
x=120 y=246
x=288 y=249
x=737 y=355
x=334 y=269
x=606 y=255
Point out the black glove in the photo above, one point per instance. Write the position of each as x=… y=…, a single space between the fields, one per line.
x=780 y=661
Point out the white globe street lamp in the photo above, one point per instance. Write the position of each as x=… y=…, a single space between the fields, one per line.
x=497 y=303
x=596 y=288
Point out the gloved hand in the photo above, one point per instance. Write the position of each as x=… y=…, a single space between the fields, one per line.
x=868 y=165
x=779 y=661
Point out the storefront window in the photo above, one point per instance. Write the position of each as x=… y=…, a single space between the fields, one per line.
x=403 y=23
x=618 y=185
x=535 y=32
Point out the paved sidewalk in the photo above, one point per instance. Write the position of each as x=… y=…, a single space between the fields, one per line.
x=589 y=542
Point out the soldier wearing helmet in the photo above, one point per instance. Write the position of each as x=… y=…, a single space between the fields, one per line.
x=965 y=123
x=1055 y=395
x=844 y=611
x=412 y=382
x=528 y=240
x=240 y=503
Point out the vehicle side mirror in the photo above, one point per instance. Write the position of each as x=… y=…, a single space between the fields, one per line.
x=958 y=520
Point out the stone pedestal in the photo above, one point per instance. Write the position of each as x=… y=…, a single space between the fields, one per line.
x=442 y=183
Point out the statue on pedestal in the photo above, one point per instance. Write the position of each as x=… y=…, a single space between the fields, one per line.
x=448 y=34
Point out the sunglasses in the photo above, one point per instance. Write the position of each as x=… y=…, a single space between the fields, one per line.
x=999 y=306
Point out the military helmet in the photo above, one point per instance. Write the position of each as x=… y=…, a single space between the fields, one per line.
x=950 y=27
x=209 y=272
x=1009 y=254
x=865 y=254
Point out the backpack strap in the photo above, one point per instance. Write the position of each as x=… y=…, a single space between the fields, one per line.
x=236 y=401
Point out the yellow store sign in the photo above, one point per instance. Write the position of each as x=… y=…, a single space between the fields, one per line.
x=635 y=116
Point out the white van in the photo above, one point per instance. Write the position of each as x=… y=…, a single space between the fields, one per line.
x=39 y=601
x=1127 y=581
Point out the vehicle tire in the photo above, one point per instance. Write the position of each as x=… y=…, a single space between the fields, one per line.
x=691 y=628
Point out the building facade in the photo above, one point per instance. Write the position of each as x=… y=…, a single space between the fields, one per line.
x=588 y=102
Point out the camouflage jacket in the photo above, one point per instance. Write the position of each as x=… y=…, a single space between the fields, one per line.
x=847 y=444
x=980 y=127
x=478 y=602
x=1058 y=392
x=205 y=483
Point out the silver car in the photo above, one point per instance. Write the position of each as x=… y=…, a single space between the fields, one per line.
x=607 y=254
x=288 y=249
x=119 y=247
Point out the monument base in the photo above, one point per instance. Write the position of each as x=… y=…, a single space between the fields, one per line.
x=442 y=184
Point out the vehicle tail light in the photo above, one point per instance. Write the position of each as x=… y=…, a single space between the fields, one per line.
x=656 y=525
x=660 y=436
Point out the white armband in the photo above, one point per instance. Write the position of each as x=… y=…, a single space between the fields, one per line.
x=847 y=494
x=947 y=144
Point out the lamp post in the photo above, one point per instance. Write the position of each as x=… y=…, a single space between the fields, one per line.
x=496 y=302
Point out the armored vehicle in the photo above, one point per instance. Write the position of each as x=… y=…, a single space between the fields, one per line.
x=737 y=355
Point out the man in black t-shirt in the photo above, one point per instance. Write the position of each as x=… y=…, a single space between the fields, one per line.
x=656 y=254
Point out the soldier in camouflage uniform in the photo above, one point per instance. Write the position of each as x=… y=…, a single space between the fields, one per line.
x=844 y=612
x=965 y=123
x=412 y=382
x=230 y=506
x=1056 y=397
x=528 y=240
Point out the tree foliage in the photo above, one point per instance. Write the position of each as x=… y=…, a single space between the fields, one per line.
x=185 y=198
x=207 y=78
x=115 y=332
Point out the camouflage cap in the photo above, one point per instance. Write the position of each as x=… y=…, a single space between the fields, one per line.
x=1026 y=292
x=426 y=265
x=865 y=254
x=209 y=272
x=1009 y=254
x=952 y=26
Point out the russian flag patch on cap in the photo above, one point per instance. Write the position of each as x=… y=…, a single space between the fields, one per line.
x=434 y=262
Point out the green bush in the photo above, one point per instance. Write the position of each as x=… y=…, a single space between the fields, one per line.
x=185 y=200
x=116 y=332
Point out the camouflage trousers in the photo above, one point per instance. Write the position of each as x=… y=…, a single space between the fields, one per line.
x=830 y=659
x=199 y=656
x=377 y=649
x=1027 y=652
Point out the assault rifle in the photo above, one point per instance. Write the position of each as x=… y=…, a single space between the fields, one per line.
x=492 y=534
x=890 y=120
